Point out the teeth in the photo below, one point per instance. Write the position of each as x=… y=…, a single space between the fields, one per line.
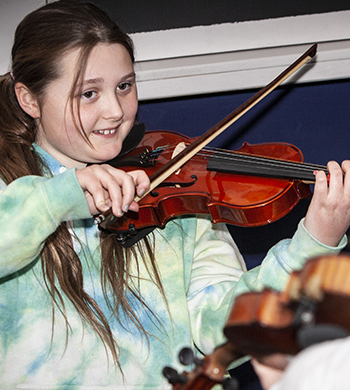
x=105 y=132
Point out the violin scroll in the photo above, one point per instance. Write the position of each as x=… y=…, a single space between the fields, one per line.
x=208 y=372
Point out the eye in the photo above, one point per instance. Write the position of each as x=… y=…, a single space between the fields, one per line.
x=124 y=86
x=88 y=94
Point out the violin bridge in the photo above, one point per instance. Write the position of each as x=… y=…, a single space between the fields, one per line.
x=178 y=149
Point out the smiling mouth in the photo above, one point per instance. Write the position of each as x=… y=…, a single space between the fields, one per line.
x=105 y=132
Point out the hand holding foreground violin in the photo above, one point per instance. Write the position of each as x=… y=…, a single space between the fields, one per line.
x=270 y=369
x=322 y=366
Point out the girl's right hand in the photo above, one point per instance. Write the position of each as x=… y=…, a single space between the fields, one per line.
x=106 y=187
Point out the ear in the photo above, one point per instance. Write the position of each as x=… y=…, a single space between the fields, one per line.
x=27 y=100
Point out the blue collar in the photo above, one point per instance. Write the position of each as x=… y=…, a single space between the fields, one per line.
x=54 y=166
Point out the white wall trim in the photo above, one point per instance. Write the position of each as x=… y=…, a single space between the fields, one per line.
x=235 y=56
x=11 y=13
x=223 y=57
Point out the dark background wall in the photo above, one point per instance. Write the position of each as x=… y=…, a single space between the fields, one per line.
x=314 y=117
x=151 y=15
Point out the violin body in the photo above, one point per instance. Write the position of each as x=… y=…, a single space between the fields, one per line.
x=239 y=199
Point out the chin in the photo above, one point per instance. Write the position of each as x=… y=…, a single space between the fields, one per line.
x=106 y=156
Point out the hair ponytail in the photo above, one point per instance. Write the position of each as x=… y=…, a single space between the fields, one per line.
x=17 y=133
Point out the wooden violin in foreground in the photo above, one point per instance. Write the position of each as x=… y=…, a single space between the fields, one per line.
x=270 y=322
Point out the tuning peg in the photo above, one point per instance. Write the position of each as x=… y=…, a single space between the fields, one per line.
x=173 y=376
x=187 y=356
x=230 y=384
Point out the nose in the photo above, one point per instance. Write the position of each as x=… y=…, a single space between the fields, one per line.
x=113 y=109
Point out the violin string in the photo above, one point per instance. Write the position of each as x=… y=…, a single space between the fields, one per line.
x=244 y=156
x=237 y=156
x=272 y=162
x=266 y=162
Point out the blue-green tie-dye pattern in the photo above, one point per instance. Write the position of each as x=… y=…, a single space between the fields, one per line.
x=201 y=269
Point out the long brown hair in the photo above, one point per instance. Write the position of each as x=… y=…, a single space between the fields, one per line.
x=41 y=40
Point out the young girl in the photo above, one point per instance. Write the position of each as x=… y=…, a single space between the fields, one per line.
x=77 y=310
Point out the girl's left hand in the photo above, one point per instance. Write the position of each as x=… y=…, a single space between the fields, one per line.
x=328 y=217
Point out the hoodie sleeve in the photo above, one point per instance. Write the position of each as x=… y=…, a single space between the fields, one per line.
x=219 y=275
x=283 y=258
x=31 y=208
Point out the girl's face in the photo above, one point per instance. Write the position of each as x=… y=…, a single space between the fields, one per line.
x=108 y=105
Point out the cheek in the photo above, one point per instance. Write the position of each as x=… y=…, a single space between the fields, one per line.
x=132 y=105
x=89 y=117
x=56 y=115
x=134 y=110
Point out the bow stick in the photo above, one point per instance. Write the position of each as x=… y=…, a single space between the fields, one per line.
x=199 y=143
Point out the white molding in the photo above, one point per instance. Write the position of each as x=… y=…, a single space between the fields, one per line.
x=11 y=13
x=236 y=56
x=225 y=57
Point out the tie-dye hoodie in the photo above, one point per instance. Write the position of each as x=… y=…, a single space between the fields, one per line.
x=201 y=270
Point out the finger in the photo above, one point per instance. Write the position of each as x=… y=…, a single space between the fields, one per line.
x=116 y=189
x=94 y=192
x=102 y=199
x=141 y=180
x=121 y=188
x=92 y=205
x=335 y=178
x=103 y=184
x=321 y=185
x=111 y=187
x=142 y=184
x=346 y=166
x=346 y=169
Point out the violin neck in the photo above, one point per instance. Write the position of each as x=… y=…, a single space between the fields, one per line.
x=263 y=166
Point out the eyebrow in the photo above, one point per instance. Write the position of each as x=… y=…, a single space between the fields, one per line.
x=92 y=81
x=99 y=79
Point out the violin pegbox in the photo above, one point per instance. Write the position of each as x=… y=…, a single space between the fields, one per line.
x=207 y=372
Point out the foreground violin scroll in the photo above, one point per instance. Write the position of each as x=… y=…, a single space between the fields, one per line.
x=270 y=322
x=175 y=163
x=208 y=372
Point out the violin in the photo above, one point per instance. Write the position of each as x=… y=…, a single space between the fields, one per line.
x=300 y=316
x=271 y=322
x=254 y=185
x=186 y=179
